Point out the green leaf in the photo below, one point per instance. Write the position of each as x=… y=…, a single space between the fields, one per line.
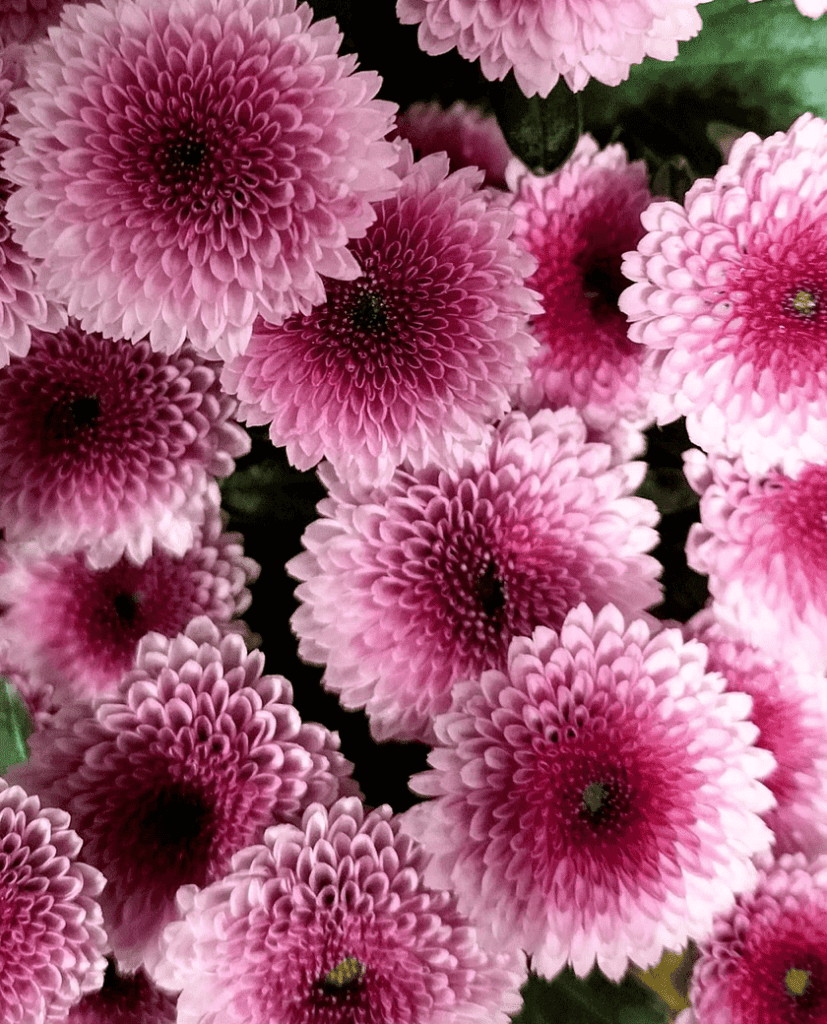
x=590 y=1000
x=541 y=132
x=15 y=727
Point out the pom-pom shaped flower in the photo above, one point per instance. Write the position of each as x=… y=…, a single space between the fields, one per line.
x=790 y=710
x=598 y=801
x=193 y=758
x=469 y=137
x=762 y=540
x=184 y=167
x=412 y=587
x=578 y=222
x=77 y=628
x=124 y=999
x=731 y=293
x=410 y=360
x=540 y=40
x=766 y=961
x=331 y=922
x=51 y=939
x=108 y=447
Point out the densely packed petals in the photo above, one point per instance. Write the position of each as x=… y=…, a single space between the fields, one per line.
x=540 y=40
x=23 y=21
x=410 y=587
x=731 y=294
x=599 y=800
x=183 y=167
x=409 y=361
x=124 y=999
x=51 y=939
x=327 y=922
x=109 y=447
x=188 y=763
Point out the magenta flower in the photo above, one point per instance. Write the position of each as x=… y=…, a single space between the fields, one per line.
x=51 y=939
x=184 y=168
x=124 y=999
x=731 y=296
x=409 y=588
x=578 y=222
x=78 y=628
x=413 y=358
x=540 y=40
x=190 y=761
x=469 y=137
x=331 y=922
x=762 y=540
x=597 y=801
x=766 y=961
x=108 y=447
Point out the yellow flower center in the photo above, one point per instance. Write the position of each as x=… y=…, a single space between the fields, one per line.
x=796 y=981
x=804 y=302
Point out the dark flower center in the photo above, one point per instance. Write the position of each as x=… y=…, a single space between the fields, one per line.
x=177 y=818
x=85 y=410
x=345 y=975
x=595 y=798
x=369 y=313
x=605 y=804
x=796 y=981
x=602 y=284
x=126 y=605
x=184 y=154
x=489 y=591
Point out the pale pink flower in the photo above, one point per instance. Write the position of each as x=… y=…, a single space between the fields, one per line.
x=577 y=222
x=766 y=961
x=184 y=167
x=598 y=801
x=809 y=8
x=412 y=359
x=540 y=40
x=330 y=921
x=730 y=295
x=762 y=540
x=51 y=939
x=109 y=447
x=413 y=586
x=188 y=763
x=124 y=999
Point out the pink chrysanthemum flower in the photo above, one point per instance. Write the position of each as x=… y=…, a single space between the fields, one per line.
x=410 y=360
x=331 y=922
x=790 y=710
x=469 y=137
x=51 y=939
x=193 y=758
x=762 y=540
x=598 y=801
x=731 y=294
x=124 y=999
x=78 y=628
x=540 y=40
x=766 y=961
x=578 y=222
x=412 y=587
x=184 y=167
x=108 y=447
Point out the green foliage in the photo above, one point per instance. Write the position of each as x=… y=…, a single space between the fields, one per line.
x=590 y=1000
x=541 y=132
x=15 y=727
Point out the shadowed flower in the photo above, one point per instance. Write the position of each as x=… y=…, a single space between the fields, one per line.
x=23 y=21
x=731 y=296
x=51 y=939
x=108 y=447
x=193 y=758
x=78 y=628
x=598 y=801
x=413 y=586
x=330 y=922
x=183 y=167
x=544 y=39
x=766 y=961
x=414 y=357
x=124 y=999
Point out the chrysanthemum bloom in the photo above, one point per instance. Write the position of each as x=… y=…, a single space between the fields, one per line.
x=78 y=628
x=331 y=922
x=540 y=40
x=124 y=999
x=425 y=582
x=193 y=758
x=731 y=294
x=762 y=540
x=410 y=360
x=598 y=801
x=469 y=137
x=108 y=447
x=51 y=939
x=578 y=222
x=184 y=167
x=766 y=961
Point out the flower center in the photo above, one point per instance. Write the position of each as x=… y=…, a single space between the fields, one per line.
x=489 y=591
x=182 y=159
x=595 y=798
x=345 y=975
x=369 y=313
x=796 y=981
x=176 y=819
x=126 y=606
x=85 y=410
x=804 y=303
